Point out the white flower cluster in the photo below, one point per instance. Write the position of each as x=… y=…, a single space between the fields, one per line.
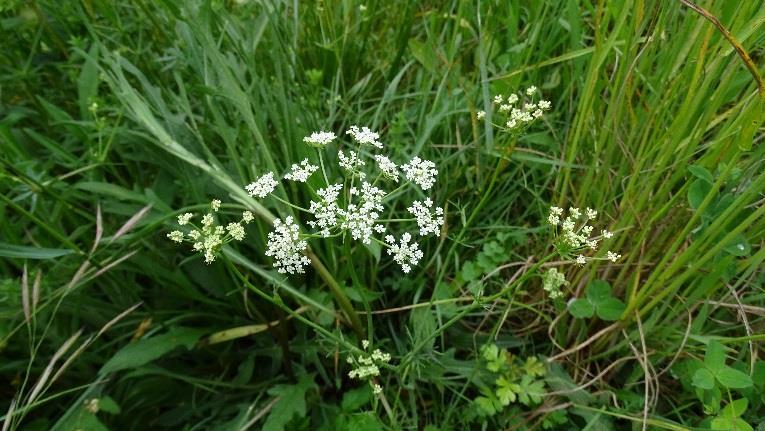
x=552 y=280
x=520 y=112
x=353 y=209
x=209 y=237
x=301 y=172
x=263 y=186
x=367 y=365
x=404 y=253
x=365 y=136
x=575 y=234
x=286 y=247
x=319 y=139
x=429 y=222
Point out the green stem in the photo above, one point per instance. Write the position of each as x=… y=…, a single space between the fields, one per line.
x=337 y=292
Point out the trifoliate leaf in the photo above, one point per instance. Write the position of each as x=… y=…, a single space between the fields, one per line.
x=703 y=379
x=733 y=379
x=610 y=309
x=581 y=308
x=714 y=357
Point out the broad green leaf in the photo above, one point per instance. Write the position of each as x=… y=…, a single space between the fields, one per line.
x=25 y=252
x=581 y=308
x=697 y=192
x=485 y=406
x=364 y=422
x=701 y=172
x=610 y=309
x=730 y=424
x=703 y=379
x=108 y=405
x=146 y=350
x=733 y=379
x=714 y=357
x=291 y=402
x=598 y=291
x=735 y=408
x=354 y=399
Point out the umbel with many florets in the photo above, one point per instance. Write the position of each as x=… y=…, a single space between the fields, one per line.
x=350 y=207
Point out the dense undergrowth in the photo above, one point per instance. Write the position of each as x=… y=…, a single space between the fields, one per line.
x=116 y=117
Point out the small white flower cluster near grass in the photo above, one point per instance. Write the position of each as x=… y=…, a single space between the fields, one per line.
x=367 y=365
x=209 y=237
x=349 y=206
x=574 y=235
x=518 y=111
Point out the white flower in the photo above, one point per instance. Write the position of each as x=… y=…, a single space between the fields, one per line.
x=613 y=257
x=365 y=344
x=319 y=139
x=480 y=115
x=247 y=217
x=236 y=231
x=263 y=186
x=511 y=124
x=581 y=260
x=325 y=211
x=575 y=213
x=591 y=213
x=553 y=219
x=504 y=108
x=184 y=219
x=377 y=389
x=286 y=248
x=606 y=234
x=361 y=219
x=511 y=99
x=421 y=172
x=404 y=253
x=207 y=221
x=351 y=163
x=556 y=210
x=176 y=236
x=498 y=98
x=545 y=105
x=388 y=168
x=215 y=205
x=365 y=136
x=529 y=107
x=531 y=90
x=427 y=221
x=537 y=113
x=301 y=172
x=552 y=280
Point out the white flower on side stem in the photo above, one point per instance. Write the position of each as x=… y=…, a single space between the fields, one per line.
x=176 y=236
x=184 y=219
x=351 y=163
x=404 y=253
x=613 y=257
x=388 y=169
x=480 y=115
x=365 y=136
x=427 y=221
x=319 y=139
x=301 y=172
x=361 y=219
x=421 y=172
x=286 y=247
x=263 y=186
x=215 y=204
x=325 y=211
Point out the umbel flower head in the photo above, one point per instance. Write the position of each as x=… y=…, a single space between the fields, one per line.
x=351 y=209
x=518 y=111
x=367 y=365
x=574 y=235
x=209 y=237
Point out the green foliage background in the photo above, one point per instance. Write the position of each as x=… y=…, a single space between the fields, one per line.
x=117 y=116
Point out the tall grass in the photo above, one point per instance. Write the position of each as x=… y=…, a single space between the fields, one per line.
x=656 y=122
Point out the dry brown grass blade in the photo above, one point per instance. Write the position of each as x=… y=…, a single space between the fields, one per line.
x=43 y=380
x=130 y=224
x=99 y=228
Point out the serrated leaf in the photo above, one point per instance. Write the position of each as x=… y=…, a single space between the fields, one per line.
x=610 y=309
x=598 y=291
x=703 y=379
x=733 y=379
x=146 y=350
x=581 y=308
x=291 y=402
x=714 y=357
